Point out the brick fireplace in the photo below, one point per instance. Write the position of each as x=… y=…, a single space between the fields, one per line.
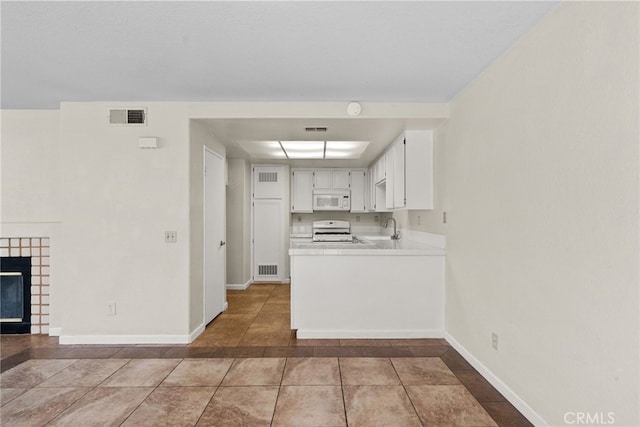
x=38 y=249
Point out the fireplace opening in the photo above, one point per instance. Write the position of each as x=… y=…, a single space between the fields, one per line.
x=15 y=295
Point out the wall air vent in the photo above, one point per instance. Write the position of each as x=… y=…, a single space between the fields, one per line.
x=128 y=116
x=267 y=176
x=320 y=129
x=268 y=270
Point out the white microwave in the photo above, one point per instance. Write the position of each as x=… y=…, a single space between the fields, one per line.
x=331 y=201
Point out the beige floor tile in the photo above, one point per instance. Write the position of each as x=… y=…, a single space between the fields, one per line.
x=33 y=372
x=102 y=406
x=171 y=406
x=276 y=307
x=85 y=373
x=240 y=406
x=198 y=373
x=423 y=371
x=448 y=405
x=38 y=406
x=367 y=371
x=311 y=371
x=252 y=371
x=310 y=406
x=379 y=406
x=142 y=373
x=8 y=394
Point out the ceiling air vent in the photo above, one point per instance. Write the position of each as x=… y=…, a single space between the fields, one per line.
x=316 y=129
x=128 y=116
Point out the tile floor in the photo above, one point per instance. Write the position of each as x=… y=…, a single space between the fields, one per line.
x=246 y=369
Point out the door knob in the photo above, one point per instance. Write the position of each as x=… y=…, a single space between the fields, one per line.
x=222 y=243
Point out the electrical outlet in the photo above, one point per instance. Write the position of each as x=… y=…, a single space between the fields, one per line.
x=376 y=218
x=111 y=308
x=170 y=236
x=494 y=341
x=357 y=218
x=419 y=220
x=299 y=218
x=444 y=217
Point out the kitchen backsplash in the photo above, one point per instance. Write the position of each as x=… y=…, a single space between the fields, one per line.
x=360 y=222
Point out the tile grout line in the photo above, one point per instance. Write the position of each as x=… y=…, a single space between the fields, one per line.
x=214 y=392
x=344 y=402
x=406 y=392
x=284 y=368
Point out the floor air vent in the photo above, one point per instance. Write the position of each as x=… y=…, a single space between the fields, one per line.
x=267 y=270
x=124 y=116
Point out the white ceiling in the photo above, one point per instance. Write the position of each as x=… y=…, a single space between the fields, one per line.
x=217 y=51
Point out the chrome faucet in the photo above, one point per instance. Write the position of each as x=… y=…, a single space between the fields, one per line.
x=396 y=234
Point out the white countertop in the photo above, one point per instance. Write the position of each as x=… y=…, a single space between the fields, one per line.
x=367 y=247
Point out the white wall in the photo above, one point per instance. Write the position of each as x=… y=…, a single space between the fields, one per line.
x=29 y=147
x=238 y=231
x=542 y=186
x=117 y=200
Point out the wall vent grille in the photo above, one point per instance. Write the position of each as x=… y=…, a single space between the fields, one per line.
x=268 y=177
x=125 y=116
x=268 y=270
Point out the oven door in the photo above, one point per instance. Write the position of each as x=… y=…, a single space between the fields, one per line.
x=338 y=201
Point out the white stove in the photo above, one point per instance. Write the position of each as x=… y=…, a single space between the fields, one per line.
x=332 y=230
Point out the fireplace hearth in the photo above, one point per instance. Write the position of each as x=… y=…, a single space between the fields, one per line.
x=15 y=295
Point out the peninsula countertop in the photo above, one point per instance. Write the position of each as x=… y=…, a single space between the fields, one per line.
x=372 y=245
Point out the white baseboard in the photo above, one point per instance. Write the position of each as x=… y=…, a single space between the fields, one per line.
x=196 y=332
x=125 y=339
x=509 y=394
x=240 y=287
x=55 y=332
x=362 y=334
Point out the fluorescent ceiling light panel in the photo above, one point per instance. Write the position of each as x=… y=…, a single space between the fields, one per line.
x=304 y=149
x=345 y=149
x=263 y=149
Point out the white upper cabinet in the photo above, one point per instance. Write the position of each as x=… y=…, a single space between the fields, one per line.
x=331 y=179
x=399 y=176
x=358 y=191
x=341 y=179
x=413 y=171
x=302 y=190
x=322 y=179
x=403 y=175
x=389 y=160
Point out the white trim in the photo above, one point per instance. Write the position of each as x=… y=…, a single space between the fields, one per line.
x=238 y=287
x=496 y=382
x=125 y=339
x=55 y=332
x=382 y=333
x=196 y=332
x=225 y=306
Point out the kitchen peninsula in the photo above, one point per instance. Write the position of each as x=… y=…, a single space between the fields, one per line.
x=368 y=289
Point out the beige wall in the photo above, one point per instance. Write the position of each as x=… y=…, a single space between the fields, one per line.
x=30 y=148
x=238 y=222
x=116 y=201
x=541 y=188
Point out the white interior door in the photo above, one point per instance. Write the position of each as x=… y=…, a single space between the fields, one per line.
x=214 y=235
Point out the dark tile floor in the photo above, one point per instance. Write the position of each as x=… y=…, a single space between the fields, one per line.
x=247 y=368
